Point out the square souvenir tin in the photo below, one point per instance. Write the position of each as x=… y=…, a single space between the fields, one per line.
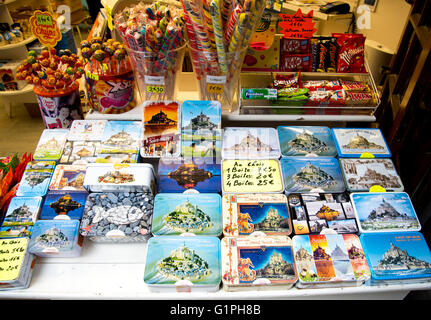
x=117 y=158
x=135 y=177
x=161 y=137
x=256 y=214
x=200 y=117
x=183 y=264
x=79 y=152
x=201 y=146
x=22 y=210
x=353 y=142
x=86 y=130
x=384 y=212
x=257 y=263
x=117 y=217
x=185 y=214
x=252 y=176
x=306 y=141
x=51 y=144
x=362 y=174
x=121 y=137
x=36 y=178
x=302 y=174
x=330 y=260
x=186 y=174
x=63 y=205
x=56 y=238
x=250 y=143
x=68 y=177
x=397 y=257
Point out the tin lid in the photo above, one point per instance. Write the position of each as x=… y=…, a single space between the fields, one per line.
x=200 y=116
x=68 y=177
x=330 y=258
x=51 y=144
x=413 y=256
x=86 y=130
x=176 y=214
x=306 y=141
x=63 y=205
x=22 y=210
x=258 y=261
x=182 y=260
x=121 y=137
x=302 y=174
x=251 y=214
x=384 y=212
x=36 y=178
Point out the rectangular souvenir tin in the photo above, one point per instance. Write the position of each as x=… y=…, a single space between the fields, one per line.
x=256 y=214
x=362 y=174
x=250 y=143
x=16 y=231
x=354 y=142
x=257 y=263
x=80 y=152
x=384 y=212
x=117 y=158
x=22 y=210
x=68 y=177
x=306 y=141
x=186 y=174
x=135 y=177
x=117 y=217
x=302 y=174
x=397 y=257
x=86 y=130
x=121 y=137
x=200 y=117
x=63 y=205
x=202 y=146
x=183 y=264
x=36 y=178
x=186 y=214
x=252 y=176
x=56 y=238
x=330 y=260
x=162 y=125
x=51 y=144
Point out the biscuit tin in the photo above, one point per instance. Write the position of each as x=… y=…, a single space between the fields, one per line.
x=51 y=144
x=86 y=130
x=22 y=211
x=36 y=178
x=121 y=137
x=63 y=205
x=68 y=177
x=80 y=152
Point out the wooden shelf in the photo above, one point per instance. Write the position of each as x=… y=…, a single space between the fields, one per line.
x=17 y=45
x=316 y=14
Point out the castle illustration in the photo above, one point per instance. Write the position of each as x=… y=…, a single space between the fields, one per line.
x=359 y=142
x=397 y=259
x=201 y=121
x=305 y=142
x=160 y=118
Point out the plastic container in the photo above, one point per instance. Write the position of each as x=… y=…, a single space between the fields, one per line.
x=363 y=174
x=56 y=238
x=379 y=212
x=51 y=144
x=306 y=141
x=256 y=214
x=36 y=178
x=63 y=205
x=258 y=263
x=86 y=130
x=332 y=260
x=397 y=257
x=22 y=211
x=187 y=214
x=68 y=177
x=183 y=264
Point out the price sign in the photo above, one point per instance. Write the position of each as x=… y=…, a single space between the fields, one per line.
x=45 y=28
x=297 y=25
x=215 y=88
x=12 y=253
x=92 y=76
x=156 y=89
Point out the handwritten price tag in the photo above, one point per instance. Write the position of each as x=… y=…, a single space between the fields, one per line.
x=11 y=257
x=156 y=89
x=215 y=88
x=297 y=25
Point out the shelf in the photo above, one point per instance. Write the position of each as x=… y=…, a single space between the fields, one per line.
x=17 y=45
x=28 y=88
x=316 y=14
x=133 y=115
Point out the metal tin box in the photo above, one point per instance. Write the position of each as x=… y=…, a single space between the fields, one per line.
x=22 y=211
x=177 y=214
x=63 y=205
x=68 y=177
x=183 y=264
x=256 y=214
x=80 y=152
x=36 y=178
x=257 y=263
x=51 y=144
x=86 y=130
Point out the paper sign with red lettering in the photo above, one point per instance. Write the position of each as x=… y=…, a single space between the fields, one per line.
x=45 y=28
x=297 y=25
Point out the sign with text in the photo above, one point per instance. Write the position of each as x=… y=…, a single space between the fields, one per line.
x=297 y=25
x=44 y=27
x=12 y=253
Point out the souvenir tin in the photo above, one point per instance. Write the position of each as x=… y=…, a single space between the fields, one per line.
x=257 y=263
x=22 y=211
x=360 y=142
x=306 y=141
x=63 y=205
x=200 y=117
x=68 y=177
x=362 y=174
x=86 y=130
x=322 y=213
x=185 y=214
x=250 y=143
x=80 y=152
x=56 y=238
x=183 y=264
x=117 y=217
x=135 y=177
x=331 y=260
x=302 y=174
x=51 y=144
x=187 y=174
x=117 y=158
x=256 y=214
x=16 y=231
x=161 y=136
x=384 y=212
x=203 y=146
x=397 y=257
x=121 y=137
x=252 y=176
x=36 y=178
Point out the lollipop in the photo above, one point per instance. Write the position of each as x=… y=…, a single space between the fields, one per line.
x=31 y=59
x=32 y=53
x=85 y=44
x=96 y=46
x=100 y=55
x=119 y=55
x=98 y=40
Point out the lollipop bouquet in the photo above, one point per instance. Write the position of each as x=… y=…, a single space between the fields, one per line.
x=154 y=37
x=219 y=33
